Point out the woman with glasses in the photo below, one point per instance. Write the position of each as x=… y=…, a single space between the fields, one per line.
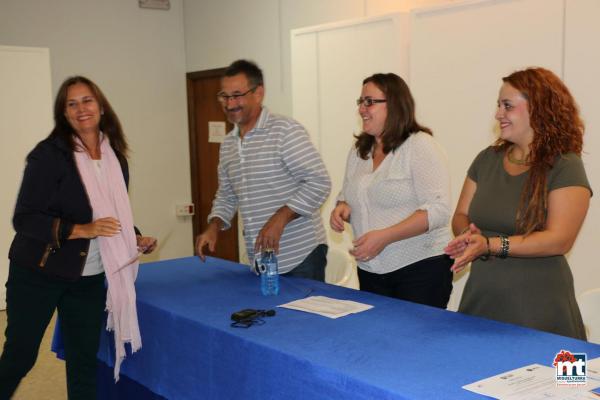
x=521 y=207
x=396 y=196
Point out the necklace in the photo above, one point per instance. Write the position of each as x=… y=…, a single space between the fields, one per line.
x=522 y=161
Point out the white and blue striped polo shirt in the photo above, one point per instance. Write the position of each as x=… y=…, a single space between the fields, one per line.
x=274 y=165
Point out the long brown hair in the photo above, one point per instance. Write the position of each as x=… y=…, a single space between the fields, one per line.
x=400 y=122
x=558 y=129
x=109 y=122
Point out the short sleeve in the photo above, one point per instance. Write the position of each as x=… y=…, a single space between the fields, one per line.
x=476 y=165
x=568 y=171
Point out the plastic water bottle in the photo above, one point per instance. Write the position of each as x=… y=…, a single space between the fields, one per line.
x=269 y=273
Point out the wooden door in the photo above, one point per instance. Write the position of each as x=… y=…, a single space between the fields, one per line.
x=203 y=107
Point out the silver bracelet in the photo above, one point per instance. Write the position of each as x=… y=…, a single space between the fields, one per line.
x=486 y=256
x=504 y=247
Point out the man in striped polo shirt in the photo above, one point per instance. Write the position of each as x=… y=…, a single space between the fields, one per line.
x=272 y=173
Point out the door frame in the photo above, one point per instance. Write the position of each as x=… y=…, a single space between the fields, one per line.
x=191 y=77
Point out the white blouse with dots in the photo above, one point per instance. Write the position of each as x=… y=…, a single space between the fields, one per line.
x=414 y=177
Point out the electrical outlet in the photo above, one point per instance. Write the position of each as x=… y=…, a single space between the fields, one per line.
x=184 y=210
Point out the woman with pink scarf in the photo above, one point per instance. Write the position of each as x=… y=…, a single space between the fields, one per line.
x=74 y=230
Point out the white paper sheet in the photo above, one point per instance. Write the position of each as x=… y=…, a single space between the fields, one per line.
x=537 y=382
x=593 y=375
x=326 y=306
x=216 y=131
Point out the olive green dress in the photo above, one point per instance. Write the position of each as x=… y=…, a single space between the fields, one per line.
x=533 y=292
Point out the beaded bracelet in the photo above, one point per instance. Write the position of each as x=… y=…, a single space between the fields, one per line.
x=484 y=257
x=504 y=247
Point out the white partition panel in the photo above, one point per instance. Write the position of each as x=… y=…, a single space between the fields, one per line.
x=306 y=86
x=458 y=55
x=582 y=63
x=329 y=63
x=25 y=119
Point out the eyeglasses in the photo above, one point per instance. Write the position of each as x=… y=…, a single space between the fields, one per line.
x=224 y=98
x=368 y=102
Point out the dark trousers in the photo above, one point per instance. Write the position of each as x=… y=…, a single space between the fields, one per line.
x=31 y=298
x=313 y=266
x=428 y=282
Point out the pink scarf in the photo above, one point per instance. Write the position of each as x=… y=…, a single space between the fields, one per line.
x=108 y=197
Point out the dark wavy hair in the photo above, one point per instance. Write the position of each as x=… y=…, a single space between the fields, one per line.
x=557 y=129
x=250 y=69
x=109 y=122
x=400 y=122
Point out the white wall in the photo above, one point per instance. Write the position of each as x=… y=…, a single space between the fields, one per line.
x=140 y=57
x=219 y=32
x=459 y=55
x=581 y=75
x=25 y=110
x=327 y=71
x=260 y=30
x=458 y=100
x=137 y=58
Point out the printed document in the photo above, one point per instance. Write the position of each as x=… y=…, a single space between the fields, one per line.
x=326 y=306
x=537 y=382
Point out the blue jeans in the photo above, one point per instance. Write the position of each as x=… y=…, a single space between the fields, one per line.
x=313 y=266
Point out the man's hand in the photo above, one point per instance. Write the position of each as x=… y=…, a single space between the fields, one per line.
x=270 y=234
x=208 y=238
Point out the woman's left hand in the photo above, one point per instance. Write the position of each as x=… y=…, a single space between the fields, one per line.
x=476 y=246
x=146 y=244
x=458 y=245
x=369 y=245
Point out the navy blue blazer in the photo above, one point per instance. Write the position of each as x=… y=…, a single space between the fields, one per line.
x=51 y=200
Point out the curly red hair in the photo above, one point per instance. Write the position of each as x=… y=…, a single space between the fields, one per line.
x=558 y=129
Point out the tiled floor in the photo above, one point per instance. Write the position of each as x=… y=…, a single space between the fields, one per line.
x=46 y=381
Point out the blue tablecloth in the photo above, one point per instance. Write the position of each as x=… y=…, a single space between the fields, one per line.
x=396 y=350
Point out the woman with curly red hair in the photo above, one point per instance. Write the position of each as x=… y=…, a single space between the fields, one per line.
x=521 y=208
